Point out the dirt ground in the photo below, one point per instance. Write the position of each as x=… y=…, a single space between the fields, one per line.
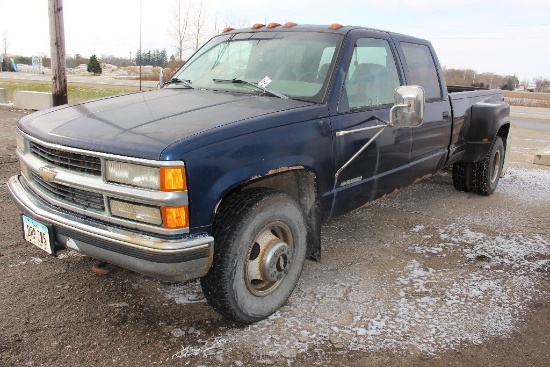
x=425 y=276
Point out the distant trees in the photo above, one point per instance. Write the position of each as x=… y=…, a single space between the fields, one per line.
x=94 y=66
x=470 y=78
x=541 y=84
x=117 y=61
x=510 y=83
x=152 y=57
x=76 y=60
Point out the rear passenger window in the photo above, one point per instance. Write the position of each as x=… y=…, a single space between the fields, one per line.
x=422 y=70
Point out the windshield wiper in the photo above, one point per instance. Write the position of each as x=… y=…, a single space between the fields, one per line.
x=246 y=82
x=187 y=83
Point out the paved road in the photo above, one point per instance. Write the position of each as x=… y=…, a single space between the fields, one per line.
x=532 y=118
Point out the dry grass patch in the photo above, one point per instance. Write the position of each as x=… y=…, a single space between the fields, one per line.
x=527 y=99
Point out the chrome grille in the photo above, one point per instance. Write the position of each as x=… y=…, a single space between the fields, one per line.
x=68 y=160
x=70 y=195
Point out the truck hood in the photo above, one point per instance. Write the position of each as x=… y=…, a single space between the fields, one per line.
x=143 y=124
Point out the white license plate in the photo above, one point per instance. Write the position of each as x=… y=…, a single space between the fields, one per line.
x=37 y=234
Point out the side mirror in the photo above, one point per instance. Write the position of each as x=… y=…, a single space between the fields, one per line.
x=161 y=78
x=408 y=110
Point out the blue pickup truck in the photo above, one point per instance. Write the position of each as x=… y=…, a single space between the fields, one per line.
x=227 y=172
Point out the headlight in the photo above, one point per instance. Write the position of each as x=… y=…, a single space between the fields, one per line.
x=155 y=178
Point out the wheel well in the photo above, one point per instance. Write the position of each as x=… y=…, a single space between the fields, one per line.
x=299 y=184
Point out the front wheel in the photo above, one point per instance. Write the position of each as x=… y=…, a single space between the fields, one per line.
x=259 y=252
x=486 y=173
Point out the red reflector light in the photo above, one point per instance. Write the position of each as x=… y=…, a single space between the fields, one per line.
x=258 y=25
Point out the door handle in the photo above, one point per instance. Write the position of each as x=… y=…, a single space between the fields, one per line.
x=446 y=115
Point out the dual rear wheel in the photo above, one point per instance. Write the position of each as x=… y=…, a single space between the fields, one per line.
x=481 y=177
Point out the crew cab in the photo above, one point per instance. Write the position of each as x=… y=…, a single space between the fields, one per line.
x=227 y=172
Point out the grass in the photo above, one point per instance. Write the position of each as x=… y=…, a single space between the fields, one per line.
x=527 y=99
x=76 y=93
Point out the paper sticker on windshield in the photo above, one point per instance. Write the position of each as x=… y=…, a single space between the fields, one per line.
x=264 y=82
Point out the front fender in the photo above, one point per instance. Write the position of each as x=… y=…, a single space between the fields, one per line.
x=215 y=170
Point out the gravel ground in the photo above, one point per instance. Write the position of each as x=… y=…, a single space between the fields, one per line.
x=425 y=276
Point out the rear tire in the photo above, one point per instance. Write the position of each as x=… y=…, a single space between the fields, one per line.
x=259 y=252
x=486 y=173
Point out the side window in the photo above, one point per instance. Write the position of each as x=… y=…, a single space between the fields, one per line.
x=372 y=75
x=422 y=70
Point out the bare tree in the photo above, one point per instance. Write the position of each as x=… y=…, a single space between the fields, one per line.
x=5 y=43
x=541 y=84
x=179 y=25
x=4 y=55
x=198 y=25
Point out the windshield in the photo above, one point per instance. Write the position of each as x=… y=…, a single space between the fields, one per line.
x=292 y=64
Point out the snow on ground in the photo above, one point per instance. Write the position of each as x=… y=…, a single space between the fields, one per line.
x=449 y=284
x=531 y=185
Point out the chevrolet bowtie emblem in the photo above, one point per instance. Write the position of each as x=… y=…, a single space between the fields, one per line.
x=47 y=173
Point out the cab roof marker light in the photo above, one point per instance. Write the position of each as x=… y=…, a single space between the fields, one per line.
x=258 y=25
x=273 y=25
x=227 y=29
x=289 y=24
x=335 y=26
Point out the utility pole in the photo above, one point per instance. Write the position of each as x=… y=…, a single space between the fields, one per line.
x=57 y=50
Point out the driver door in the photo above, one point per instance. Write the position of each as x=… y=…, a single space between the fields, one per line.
x=368 y=93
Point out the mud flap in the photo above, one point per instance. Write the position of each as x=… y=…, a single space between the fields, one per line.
x=507 y=153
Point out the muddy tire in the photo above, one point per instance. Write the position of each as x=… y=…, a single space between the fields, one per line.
x=259 y=252
x=486 y=173
x=462 y=176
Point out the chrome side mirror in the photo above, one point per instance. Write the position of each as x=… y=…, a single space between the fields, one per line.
x=408 y=110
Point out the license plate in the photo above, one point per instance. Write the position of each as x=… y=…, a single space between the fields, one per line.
x=37 y=234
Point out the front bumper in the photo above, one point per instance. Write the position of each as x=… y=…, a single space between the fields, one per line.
x=167 y=259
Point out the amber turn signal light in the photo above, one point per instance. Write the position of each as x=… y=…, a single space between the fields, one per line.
x=172 y=179
x=175 y=216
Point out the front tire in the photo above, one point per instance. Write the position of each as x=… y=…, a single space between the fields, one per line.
x=486 y=173
x=259 y=252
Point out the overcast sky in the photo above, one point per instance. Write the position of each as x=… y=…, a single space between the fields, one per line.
x=505 y=37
